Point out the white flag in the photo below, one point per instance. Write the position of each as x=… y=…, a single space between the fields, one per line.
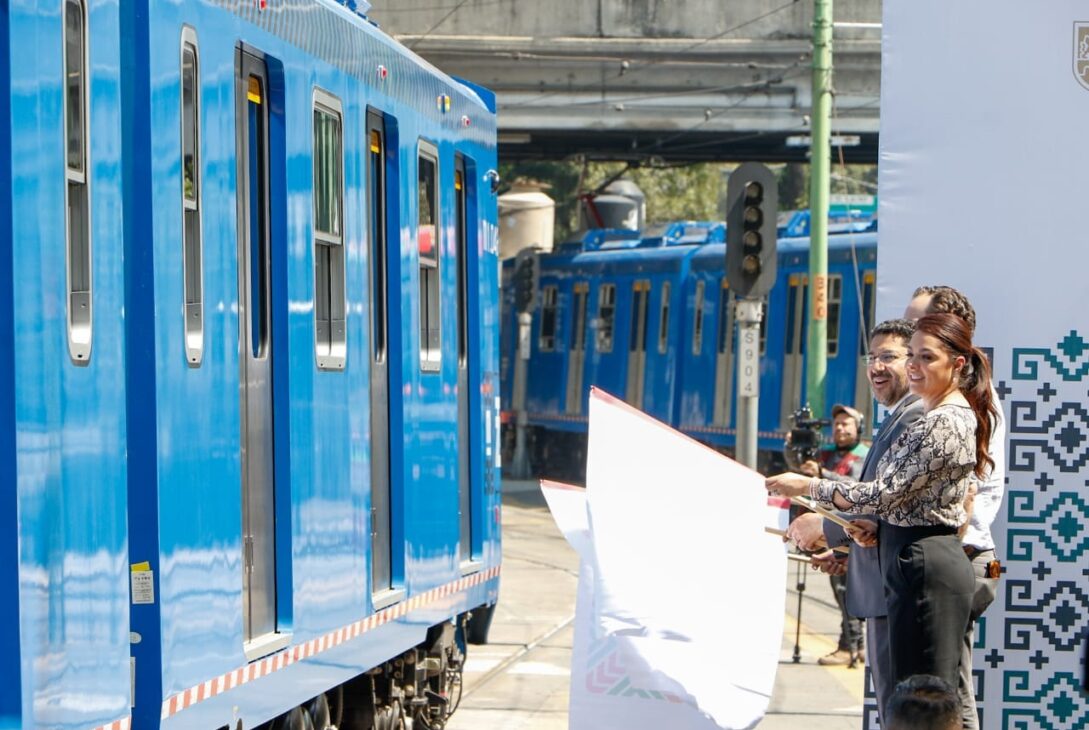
x=679 y=613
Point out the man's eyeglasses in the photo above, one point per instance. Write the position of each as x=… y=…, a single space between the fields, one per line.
x=885 y=358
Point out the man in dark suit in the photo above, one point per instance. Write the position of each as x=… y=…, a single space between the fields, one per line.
x=887 y=372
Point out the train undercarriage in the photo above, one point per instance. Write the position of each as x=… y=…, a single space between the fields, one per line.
x=418 y=690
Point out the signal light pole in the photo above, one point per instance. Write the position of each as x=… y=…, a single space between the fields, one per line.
x=752 y=209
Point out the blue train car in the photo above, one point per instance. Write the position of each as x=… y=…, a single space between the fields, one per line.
x=252 y=415
x=660 y=318
x=610 y=314
x=710 y=382
x=64 y=655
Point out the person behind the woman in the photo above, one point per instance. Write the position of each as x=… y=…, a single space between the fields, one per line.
x=918 y=497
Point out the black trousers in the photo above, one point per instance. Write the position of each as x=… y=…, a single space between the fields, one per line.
x=929 y=584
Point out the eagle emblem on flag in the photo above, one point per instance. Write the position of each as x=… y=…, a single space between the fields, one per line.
x=1081 y=53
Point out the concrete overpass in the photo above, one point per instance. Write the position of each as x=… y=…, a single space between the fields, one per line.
x=636 y=79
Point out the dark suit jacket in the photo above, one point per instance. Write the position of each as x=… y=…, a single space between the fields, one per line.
x=865 y=585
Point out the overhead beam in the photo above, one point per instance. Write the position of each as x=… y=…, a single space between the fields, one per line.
x=644 y=84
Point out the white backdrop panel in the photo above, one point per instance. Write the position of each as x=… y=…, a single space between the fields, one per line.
x=984 y=164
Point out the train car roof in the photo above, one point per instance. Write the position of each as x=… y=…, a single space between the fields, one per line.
x=621 y=259
x=841 y=247
x=836 y=242
x=625 y=251
x=354 y=13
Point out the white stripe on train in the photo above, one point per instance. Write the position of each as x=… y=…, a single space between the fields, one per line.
x=243 y=675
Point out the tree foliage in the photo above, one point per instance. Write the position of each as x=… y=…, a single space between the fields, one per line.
x=673 y=193
x=688 y=192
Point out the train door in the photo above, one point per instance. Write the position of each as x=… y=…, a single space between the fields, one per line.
x=381 y=560
x=835 y=306
x=724 y=360
x=255 y=348
x=577 y=352
x=794 y=347
x=637 y=344
x=697 y=319
x=461 y=231
x=666 y=366
x=863 y=398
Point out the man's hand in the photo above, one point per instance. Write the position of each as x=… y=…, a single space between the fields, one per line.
x=829 y=562
x=864 y=532
x=807 y=532
x=969 y=506
x=787 y=484
x=810 y=468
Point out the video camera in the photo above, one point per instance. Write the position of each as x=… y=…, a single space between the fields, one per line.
x=806 y=436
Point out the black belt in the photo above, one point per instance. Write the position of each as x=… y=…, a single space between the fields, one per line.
x=910 y=533
x=973 y=552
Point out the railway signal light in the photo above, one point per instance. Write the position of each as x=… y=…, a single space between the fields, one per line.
x=526 y=278
x=752 y=207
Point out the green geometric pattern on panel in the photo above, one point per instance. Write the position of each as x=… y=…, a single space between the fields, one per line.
x=1030 y=642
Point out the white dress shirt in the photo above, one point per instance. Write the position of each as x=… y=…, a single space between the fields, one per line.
x=989 y=498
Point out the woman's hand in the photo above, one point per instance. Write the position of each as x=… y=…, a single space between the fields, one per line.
x=863 y=532
x=788 y=484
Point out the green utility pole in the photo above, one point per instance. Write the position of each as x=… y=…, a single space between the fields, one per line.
x=820 y=154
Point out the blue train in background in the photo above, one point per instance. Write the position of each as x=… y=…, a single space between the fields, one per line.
x=649 y=316
x=249 y=414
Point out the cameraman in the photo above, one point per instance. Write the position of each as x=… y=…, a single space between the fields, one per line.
x=842 y=459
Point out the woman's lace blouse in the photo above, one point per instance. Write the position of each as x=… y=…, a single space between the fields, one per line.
x=922 y=479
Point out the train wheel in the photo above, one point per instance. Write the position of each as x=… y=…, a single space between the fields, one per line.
x=318 y=710
x=296 y=719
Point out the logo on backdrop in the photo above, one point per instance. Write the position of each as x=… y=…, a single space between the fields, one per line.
x=1081 y=53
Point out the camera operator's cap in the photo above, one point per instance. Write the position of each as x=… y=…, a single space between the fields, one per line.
x=840 y=408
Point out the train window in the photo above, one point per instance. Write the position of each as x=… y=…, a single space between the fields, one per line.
x=725 y=319
x=835 y=298
x=640 y=293
x=792 y=314
x=764 y=325
x=606 y=317
x=192 y=255
x=330 y=332
x=578 y=330
x=427 y=241
x=463 y=194
x=868 y=301
x=697 y=320
x=546 y=342
x=376 y=180
x=663 y=320
x=77 y=192
x=797 y=312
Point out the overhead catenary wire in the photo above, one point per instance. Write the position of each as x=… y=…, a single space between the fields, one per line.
x=436 y=8
x=800 y=126
x=650 y=96
x=765 y=85
x=433 y=28
x=629 y=72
